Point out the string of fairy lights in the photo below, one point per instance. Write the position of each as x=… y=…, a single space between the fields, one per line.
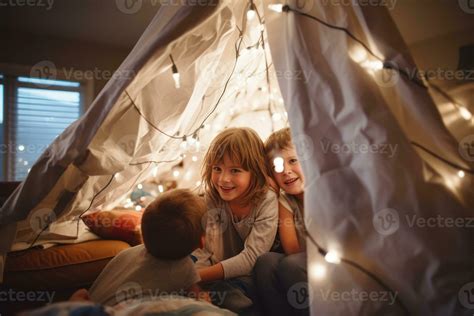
x=332 y=256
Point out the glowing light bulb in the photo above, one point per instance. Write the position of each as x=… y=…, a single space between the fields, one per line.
x=251 y=14
x=332 y=257
x=177 y=80
x=197 y=145
x=376 y=65
x=184 y=144
x=140 y=186
x=276 y=7
x=358 y=54
x=278 y=164
x=191 y=141
x=461 y=174
x=317 y=271
x=155 y=172
x=138 y=208
x=161 y=189
x=465 y=113
x=176 y=173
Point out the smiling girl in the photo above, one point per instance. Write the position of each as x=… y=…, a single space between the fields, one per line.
x=242 y=217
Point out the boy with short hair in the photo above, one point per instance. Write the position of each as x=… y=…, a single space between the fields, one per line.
x=171 y=229
x=275 y=273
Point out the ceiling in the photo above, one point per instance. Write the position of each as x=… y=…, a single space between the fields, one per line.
x=101 y=21
x=97 y=21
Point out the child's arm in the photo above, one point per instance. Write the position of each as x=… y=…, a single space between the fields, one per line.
x=259 y=240
x=80 y=295
x=287 y=231
x=212 y=273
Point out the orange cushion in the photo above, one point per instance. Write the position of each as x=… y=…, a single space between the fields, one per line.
x=116 y=224
x=60 y=267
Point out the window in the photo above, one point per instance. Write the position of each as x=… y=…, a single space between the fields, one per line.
x=34 y=112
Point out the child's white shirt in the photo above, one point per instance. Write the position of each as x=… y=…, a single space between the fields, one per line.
x=237 y=244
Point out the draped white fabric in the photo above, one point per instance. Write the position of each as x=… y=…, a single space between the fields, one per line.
x=362 y=203
x=357 y=134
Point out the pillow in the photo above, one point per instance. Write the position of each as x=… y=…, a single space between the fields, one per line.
x=122 y=225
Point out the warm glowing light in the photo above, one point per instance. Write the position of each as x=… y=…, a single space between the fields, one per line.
x=176 y=173
x=138 y=208
x=140 y=186
x=177 y=80
x=461 y=174
x=161 y=189
x=276 y=7
x=251 y=14
x=317 y=271
x=465 y=113
x=278 y=164
x=194 y=158
x=358 y=54
x=332 y=257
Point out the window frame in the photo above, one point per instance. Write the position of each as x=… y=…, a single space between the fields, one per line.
x=10 y=83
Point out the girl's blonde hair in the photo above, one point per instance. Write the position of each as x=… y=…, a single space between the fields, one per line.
x=244 y=147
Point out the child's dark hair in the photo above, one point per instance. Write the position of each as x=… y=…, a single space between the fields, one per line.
x=171 y=225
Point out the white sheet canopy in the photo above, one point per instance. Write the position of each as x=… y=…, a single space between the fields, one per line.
x=368 y=140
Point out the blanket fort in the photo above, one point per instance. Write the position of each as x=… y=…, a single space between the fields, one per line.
x=379 y=161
